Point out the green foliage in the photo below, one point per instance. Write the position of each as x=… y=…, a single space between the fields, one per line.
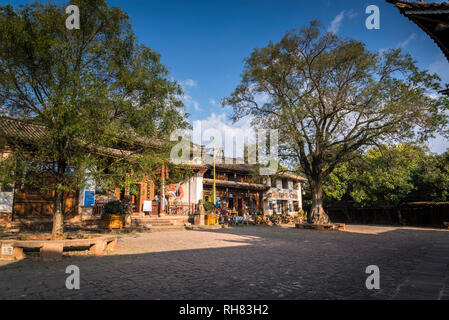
x=337 y=182
x=388 y=175
x=431 y=179
x=93 y=89
x=209 y=206
x=385 y=177
x=330 y=97
x=114 y=207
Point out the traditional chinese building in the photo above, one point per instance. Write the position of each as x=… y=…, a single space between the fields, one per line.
x=432 y=18
x=238 y=188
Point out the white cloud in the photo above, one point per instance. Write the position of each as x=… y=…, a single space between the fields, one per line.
x=338 y=20
x=190 y=102
x=186 y=97
x=439 y=66
x=406 y=42
x=336 y=23
x=189 y=83
x=219 y=124
x=213 y=102
x=439 y=144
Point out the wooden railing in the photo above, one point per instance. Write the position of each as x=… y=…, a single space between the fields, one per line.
x=183 y=209
x=99 y=207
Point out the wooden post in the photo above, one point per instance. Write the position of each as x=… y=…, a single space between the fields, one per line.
x=162 y=206
x=117 y=193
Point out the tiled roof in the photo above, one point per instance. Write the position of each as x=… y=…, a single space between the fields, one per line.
x=234 y=184
x=20 y=130
x=415 y=5
x=291 y=176
x=432 y=18
x=244 y=168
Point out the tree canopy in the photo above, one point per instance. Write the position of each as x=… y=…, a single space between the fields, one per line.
x=330 y=97
x=93 y=89
x=386 y=176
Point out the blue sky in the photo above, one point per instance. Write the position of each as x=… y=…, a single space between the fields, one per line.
x=204 y=42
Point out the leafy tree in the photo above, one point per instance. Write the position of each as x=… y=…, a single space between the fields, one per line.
x=385 y=177
x=92 y=89
x=338 y=182
x=431 y=179
x=330 y=97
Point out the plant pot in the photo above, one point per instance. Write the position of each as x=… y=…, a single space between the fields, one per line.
x=211 y=219
x=112 y=221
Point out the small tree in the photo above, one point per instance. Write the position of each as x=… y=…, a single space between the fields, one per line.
x=91 y=89
x=330 y=97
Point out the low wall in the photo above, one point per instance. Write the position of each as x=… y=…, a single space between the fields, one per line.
x=412 y=215
x=46 y=223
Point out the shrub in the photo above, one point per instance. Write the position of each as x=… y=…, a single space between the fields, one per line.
x=114 y=207
x=209 y=207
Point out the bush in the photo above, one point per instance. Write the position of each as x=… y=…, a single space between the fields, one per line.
x=209 y=207
x=114 y=207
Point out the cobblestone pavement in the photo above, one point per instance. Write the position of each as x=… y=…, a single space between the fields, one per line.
x=252 y=262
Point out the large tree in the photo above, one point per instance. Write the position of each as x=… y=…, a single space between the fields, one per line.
x=330 y=96
x=92 y=89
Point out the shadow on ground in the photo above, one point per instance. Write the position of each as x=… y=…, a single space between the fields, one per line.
x=254 y=262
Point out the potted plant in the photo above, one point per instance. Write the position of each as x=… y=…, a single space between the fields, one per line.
x=211 y=217
x=113 y=216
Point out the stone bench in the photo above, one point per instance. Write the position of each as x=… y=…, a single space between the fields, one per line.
x=52 y=250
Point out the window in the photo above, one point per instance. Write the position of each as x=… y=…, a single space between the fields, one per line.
x=284 y=183
x=273 y=182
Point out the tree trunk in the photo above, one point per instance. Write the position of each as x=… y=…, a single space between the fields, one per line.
x=58 y=210
x=317 y=214
x=58 y=217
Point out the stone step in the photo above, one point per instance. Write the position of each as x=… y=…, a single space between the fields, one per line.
x=167 y=228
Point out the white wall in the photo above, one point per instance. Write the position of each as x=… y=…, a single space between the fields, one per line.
x=90 y=186
x=196 y=189
x=299 y=191
x=6 y=201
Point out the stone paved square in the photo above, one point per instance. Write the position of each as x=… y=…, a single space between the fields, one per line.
x=254 y=262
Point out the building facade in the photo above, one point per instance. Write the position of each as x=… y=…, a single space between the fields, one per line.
x=238 y=188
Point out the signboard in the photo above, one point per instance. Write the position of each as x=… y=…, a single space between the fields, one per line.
x=7 y=251
x=89 y=198
x=147 y=206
